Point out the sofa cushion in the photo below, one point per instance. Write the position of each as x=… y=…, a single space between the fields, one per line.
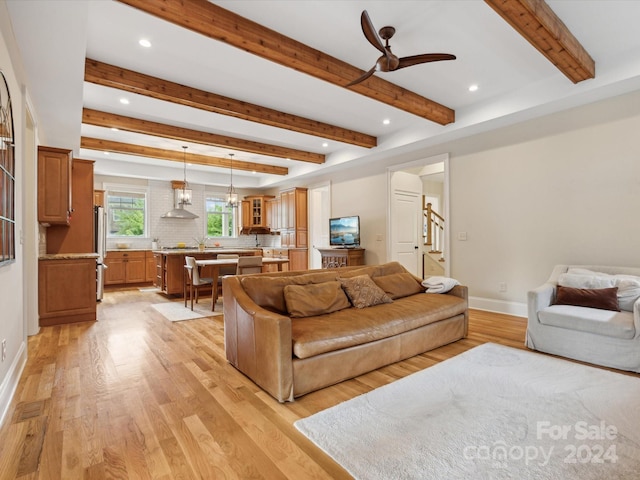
x=592 y=320
x=374 y=270
x=268 y=292
x=363 y=292
x=602 y=298
x=315 y=299
x=349 y=327
x=628 y=285
x=398 y=285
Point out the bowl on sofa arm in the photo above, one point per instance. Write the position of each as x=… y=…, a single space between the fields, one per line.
x=289 y=357
x=603 y=337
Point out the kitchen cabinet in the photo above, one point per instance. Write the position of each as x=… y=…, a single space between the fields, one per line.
x=150 y=266
x=273 y=213
x=77 y=235
x=254 y=212
x=275 y=253
x=98 y=198
x=297 y=258
x=66 y=290
x=54 y=185
x=125 y=267
x=294 y=218
x=158 y=260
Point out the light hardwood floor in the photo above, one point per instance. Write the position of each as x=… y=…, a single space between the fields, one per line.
x=135 y=396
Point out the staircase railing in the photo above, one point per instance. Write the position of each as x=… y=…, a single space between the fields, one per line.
x=434 y=229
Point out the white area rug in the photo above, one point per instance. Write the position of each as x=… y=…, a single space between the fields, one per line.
x=493 y=412
x=175 y=311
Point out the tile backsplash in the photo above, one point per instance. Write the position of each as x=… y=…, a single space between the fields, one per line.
x=171 y=231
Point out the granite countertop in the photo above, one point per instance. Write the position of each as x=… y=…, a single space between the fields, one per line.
x=128 y=249
x=182 y=251
x=67 y=256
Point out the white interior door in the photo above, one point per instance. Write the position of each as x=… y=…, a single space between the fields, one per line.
x=319 y=214
x=406 y=220
x=404 y=223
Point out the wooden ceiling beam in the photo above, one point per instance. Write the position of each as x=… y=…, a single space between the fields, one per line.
x=543 y=29
x=115 y=77
x=129 y=124
x=178 y=156
x=215 y=22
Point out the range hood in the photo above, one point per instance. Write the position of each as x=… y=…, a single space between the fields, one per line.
x=181 y=197
x=180 y=212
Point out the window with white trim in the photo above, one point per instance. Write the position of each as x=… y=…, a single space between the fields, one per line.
x=221 y=219
x=126 y=212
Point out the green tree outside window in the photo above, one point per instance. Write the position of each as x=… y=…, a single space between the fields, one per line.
x=220 y=218
x=126 y=214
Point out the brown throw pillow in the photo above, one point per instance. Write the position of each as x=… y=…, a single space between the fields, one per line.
x=315 y=299
x=363 y=292
x=398 y=285
x=602 y=298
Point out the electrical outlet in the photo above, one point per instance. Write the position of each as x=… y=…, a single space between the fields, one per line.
x=4 y=349
x=502 y=287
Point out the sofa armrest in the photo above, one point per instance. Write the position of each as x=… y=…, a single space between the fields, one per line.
x=539 y=299
x=636 y=317
x=462 y=291
x=258 y=342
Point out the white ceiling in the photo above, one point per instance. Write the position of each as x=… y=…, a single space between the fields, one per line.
x=515 y=81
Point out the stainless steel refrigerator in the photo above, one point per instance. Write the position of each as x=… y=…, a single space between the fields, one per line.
x=100 y=237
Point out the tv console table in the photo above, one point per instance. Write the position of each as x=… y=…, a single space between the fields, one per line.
x=341 y=257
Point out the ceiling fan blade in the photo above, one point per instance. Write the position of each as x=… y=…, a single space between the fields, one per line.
x=364 y=77
x=370 y=32
x=424 y=58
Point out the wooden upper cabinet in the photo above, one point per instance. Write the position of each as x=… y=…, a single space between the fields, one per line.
x=98 y=198
x=254 y=212
x=54 y=185
x=77 y=236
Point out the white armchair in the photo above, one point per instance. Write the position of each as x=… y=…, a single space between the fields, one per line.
x=601 y=337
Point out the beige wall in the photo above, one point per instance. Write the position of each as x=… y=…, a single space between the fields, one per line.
x=565 y=198
x=366 y=197
x=12 y=318
x=559 y=189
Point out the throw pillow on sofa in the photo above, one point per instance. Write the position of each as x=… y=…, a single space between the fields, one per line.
x=363 y=292
x=628 y=285
x=398 y=285
x=601 y=298
x=315 y=299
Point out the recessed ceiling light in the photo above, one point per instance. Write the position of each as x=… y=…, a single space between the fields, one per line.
x=124 y=101
x=386 y=121
x=325 y=144
x=114 y=129
x=473 y=88
x=106 y=153
x=145 y=43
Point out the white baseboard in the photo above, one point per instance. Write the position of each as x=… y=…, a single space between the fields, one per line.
x=499 y=306
x=10 y=382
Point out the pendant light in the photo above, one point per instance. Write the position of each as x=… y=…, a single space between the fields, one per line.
x=232 y=196
x=179 y=211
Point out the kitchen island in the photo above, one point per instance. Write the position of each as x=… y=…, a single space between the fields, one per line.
x=170 y=264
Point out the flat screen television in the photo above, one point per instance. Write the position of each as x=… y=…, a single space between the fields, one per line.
x=344 y=231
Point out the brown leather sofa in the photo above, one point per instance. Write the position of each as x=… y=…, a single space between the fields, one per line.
x=291 y=354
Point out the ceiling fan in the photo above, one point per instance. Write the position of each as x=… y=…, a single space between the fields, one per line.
x=388 y=62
